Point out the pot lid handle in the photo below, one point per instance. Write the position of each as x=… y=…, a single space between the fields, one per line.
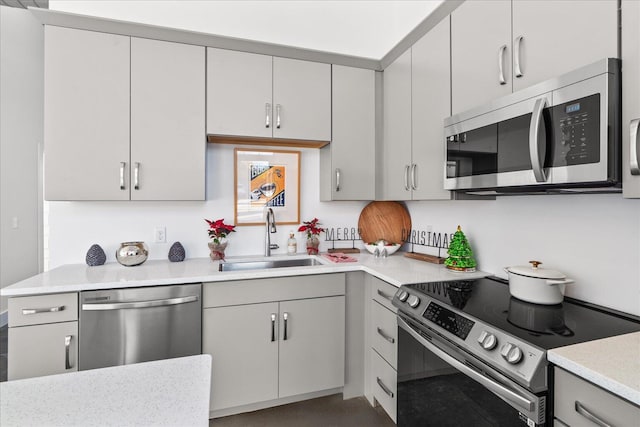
x=535 y=264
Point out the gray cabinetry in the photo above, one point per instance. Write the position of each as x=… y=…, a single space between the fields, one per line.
x=261 y=96
x=43 y=335
x=124 y=118
x=353 y=123
x=274 y=338
x=631 y=98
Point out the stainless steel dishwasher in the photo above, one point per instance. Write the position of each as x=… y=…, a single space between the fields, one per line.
x=123 y=326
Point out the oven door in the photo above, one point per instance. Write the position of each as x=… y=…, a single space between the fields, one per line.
x=439 y=385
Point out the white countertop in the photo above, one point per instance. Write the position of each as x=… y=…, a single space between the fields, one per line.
x=167 y=392
x=612 y=363
x=395 y=269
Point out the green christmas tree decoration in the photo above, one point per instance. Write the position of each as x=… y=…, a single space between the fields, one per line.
x=460 y=253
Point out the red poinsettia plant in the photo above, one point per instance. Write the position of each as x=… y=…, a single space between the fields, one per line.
x=311 y=227
x=219 y=230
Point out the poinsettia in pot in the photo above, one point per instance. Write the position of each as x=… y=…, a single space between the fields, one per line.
x=218 y=232
x=313 y=230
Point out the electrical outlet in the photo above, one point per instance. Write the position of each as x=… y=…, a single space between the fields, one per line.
x=160 y=235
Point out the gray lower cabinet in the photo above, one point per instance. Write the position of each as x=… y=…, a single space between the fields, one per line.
x=353 y=113
x=43 y=335
x=579 y=403
x=274 y=338
x=631 y=98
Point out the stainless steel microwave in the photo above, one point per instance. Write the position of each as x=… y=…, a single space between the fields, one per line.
x=561 y=135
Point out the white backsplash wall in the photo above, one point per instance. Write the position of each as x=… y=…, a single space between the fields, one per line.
x=594 y=239
x=75 y=226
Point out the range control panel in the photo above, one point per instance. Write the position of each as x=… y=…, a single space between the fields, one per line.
x=447 y=319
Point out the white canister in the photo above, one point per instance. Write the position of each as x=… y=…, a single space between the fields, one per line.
x=537 y=285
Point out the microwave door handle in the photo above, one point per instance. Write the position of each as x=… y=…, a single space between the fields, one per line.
x=634 y=147
x=489 y=383
x=537 y=124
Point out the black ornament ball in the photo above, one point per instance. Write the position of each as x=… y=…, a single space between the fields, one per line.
x=95 y=256
x=176 y=252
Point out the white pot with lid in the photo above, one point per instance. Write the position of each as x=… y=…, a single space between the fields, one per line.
x=537 y=285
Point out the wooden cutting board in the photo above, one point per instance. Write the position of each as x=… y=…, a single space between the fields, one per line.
x=384 y=220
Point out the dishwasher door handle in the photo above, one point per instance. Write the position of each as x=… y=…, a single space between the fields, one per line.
x=140 y=304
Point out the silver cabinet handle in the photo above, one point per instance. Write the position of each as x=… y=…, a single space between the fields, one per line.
x=535 y=134
x=122 y=166
x=278 y=107
x=140 y=304
x=501 y=52
x=385 y=336
x=384 y=387
x=516 y=53
x=28 y=311
x=634 y=146
x=136 y=176
x=383 y=295
x=267 y=111
x=273 y=327
x=588 y=415
x=285 y=316
x=406 y=177
x=67 y=351
x=414 y=185
x=337 y=179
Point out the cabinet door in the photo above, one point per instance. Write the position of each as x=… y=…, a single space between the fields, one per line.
x=353 y=121
x=40 y=350
x=480 y=30
x=301 y=100
x=560 y=36
x=430 y=105
x=86 y=115
x=395 y=160
x=239 y=93
x=630 y=97
x=168 y=138
x=239 y=339
x=312 y=355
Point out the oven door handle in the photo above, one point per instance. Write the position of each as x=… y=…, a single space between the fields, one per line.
x=492 y=385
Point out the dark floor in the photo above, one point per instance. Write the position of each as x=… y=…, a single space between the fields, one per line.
x=3 y=353
x=330 y=411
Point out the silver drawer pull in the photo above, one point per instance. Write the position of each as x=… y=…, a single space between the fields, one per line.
x=384 y=387
x=337 y=179
x=501 y=78
x=516 y=54
x=267 y=113
x=385 y=336
x=136 y=176
x=588 y=415
x=28 y=311
x=278 y=107
x=285 y=316
x=122 y=166
x=273 y=327
x=383 y=295
x=67 y=349
x=634 y=146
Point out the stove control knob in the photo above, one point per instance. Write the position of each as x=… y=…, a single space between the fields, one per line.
x=403 y=295
x=511 y=353
x=413 y=301
x=487 y=340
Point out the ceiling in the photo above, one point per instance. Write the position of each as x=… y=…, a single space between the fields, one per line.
x=365 y=28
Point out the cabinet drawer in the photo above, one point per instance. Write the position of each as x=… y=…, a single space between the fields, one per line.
x=385 y=333
x=383 y=292
x=384 y=380
x=40 y=309
x=575 y=398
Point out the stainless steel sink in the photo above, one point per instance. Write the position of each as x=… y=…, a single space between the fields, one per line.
x=260 y=265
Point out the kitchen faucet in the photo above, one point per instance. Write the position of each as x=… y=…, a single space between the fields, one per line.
x=270 y=227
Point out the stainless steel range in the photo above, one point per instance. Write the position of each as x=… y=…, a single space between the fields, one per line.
x=470 y=354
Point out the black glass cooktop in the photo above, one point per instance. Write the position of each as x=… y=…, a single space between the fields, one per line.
x=545 y=326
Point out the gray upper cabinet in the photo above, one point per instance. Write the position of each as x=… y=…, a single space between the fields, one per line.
x=261 y=96
x=480 y=53
x=86 y=115
x=631 y=98
x=168 y=139
x=124 y=118
x=417 y=99
x=353 y=121
x=501 y=46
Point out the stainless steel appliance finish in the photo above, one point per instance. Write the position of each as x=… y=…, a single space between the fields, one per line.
x=123 y=326
x=562 y=134
x=259 y=265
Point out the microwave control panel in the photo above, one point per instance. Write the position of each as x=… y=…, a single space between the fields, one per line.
x=576 y=127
